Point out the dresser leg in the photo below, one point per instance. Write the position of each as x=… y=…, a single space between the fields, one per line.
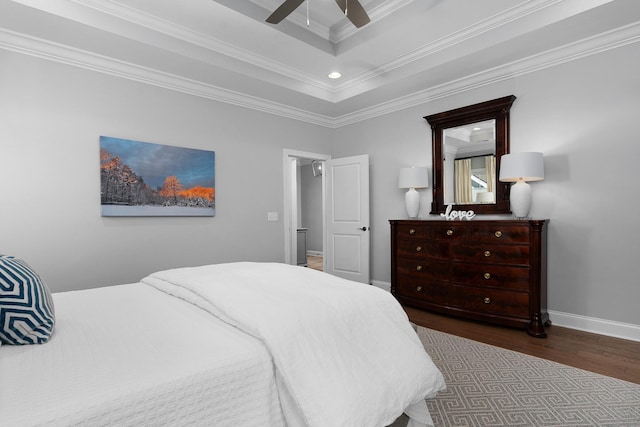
x=536 y=327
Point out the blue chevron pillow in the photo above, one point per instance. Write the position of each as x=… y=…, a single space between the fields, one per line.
x=27 y=314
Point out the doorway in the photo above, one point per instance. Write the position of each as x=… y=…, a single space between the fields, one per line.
x=344 y=211
x=304 y=208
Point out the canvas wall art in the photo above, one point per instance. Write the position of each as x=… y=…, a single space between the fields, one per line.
x=146 y=179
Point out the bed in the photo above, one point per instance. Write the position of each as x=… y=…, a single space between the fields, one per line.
x=237 y=344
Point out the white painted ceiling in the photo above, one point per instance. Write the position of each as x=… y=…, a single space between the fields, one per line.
x=411 y=52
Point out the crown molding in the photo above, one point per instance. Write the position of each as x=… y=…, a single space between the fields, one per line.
x=47 y=50
x=501 y=19
x=286 y=75
x=590 y=46
x=316 y=86
x=55 y=52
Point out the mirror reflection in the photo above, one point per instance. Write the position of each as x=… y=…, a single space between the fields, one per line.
x=467 y=143
x=469 y=163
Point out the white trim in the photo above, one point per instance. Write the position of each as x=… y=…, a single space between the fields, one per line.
x=314 y=253
x=590 y=46
x=382 y=285
x=594 y=325
x=44 y=49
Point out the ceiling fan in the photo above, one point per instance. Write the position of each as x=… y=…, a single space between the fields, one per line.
x=352 y=9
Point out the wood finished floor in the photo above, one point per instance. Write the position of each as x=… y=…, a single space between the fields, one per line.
x=314 y=262
x=609 y=356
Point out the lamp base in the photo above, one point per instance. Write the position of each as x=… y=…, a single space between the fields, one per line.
x=520 y=199
x=412 y=202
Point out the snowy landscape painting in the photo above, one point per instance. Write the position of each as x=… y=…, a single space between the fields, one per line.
x=146 y=179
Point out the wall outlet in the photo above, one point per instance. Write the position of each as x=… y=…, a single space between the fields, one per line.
x=272 y=216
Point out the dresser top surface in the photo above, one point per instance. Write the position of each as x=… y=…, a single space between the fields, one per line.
x=482 y=220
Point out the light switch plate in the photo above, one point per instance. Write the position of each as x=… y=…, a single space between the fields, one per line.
x=272 y=216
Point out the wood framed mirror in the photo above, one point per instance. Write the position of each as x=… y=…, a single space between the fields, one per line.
x=467 y=144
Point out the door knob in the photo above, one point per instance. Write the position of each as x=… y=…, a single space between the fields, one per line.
x=363 y=228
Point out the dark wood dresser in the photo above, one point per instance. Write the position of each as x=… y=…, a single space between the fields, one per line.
x=490 y=270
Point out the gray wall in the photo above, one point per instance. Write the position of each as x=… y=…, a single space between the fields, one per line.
x=583 y=115
x=51 y=118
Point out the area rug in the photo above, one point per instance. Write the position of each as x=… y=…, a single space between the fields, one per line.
x=491 y=386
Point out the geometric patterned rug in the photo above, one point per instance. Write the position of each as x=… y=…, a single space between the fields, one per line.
x=492 y=386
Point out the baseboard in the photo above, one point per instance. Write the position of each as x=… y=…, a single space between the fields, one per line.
x=594 y=325
x=382 y=285
x=314 y=253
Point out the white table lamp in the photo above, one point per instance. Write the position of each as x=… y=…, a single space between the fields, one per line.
x=520 y=168
x=412 y=178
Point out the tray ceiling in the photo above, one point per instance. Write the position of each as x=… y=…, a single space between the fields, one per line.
x=412 y=51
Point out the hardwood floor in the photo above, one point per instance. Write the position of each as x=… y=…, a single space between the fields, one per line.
x=609 y=356
x=314 y=262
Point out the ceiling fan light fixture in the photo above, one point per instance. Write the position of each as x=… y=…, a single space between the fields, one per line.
x=334 y=75
x=352 y=9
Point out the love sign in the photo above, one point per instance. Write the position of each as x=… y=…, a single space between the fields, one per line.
x=450 y=214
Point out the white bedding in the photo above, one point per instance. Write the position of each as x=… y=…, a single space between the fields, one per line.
x=131 y=356
x=344 y=352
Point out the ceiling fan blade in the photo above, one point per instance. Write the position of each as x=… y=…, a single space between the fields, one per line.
x=356 y=13
x=283 y=11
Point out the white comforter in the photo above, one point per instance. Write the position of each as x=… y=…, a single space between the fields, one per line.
x=131 y=356
x=364 y=367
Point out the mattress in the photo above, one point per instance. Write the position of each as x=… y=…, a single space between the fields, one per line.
x=128 y=355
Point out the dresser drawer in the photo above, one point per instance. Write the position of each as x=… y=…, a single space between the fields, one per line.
x=423 y=269
x=421 y=248
x=490 y=301
x=500 y=233
x=505 y=254
x=413 y=231
x=433 y=292
x=492 y=276
x=450 y=230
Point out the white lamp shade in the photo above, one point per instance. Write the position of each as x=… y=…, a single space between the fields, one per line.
x=521 y=166
x=416 y=177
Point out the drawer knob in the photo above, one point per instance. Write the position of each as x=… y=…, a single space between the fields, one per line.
x=449 y=232
x=419 y=288
x=487 y=276
x=412 y=231
x=487 y=253
x=418 y=248
x=419 y=268
x=487 y=300
x=498 y=234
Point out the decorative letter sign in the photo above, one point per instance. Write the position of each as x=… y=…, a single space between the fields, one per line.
x=462 y=215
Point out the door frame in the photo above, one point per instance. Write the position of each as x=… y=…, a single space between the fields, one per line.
x=290 y=213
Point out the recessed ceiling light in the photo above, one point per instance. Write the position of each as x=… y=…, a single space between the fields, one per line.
x=335 y=75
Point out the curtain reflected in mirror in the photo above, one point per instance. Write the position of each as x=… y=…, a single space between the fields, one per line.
x=479 y=135
x=470 y=163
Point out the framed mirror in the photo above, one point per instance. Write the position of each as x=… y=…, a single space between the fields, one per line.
x=467 y=144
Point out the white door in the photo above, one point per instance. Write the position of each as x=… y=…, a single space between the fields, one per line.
x=347 y=218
